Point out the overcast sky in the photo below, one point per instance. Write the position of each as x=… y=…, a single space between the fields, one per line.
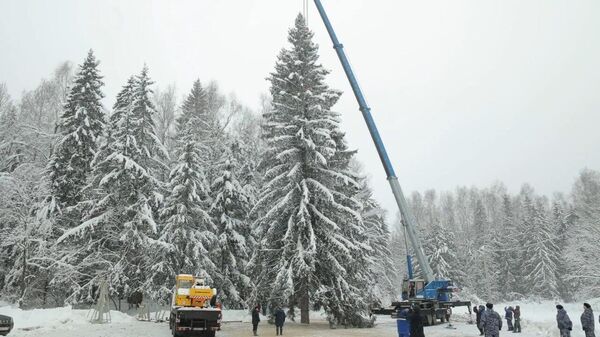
x=465 y=92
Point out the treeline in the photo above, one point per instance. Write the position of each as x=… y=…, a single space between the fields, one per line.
x=500 y=246
x=269 y=209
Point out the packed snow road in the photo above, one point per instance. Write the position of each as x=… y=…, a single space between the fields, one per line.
x=539 y=321
x=383 y=329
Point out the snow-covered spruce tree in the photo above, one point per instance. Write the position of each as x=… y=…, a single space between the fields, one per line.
x=561 y=224
x=81 y=124
x=119 y=228
x=229 y=211
x=194 y=118
x=304 y=254
x=187 y=236
x=438 y=246
x=507 y=258
x=381 y=276
x=583 y=248
x=542 y=254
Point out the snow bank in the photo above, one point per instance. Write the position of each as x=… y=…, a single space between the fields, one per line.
x=55 y=317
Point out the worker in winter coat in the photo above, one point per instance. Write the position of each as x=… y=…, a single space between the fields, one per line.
x=478 y=313
x=491 y=322
x=416 y=324
x=587 y=320
x=478 y=319
x=564 y=322
x=508 y=315
x=255 y=319
x=517 y=315
x=279 y=320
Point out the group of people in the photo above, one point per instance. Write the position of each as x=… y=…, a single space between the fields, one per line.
x=587 y=321
x=278 y=315
x=489 y=322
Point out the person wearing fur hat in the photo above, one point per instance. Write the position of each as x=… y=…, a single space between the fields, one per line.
x=587 y=320
x=564 y=322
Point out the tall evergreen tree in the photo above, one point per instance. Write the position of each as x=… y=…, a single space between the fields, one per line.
x=82 y=123
x=188 y=232
x=508 y=260
x=541 y=253
x=194 y=120
x=305 y=253
x=561 y=229
x=229 y=210
x=585 y=235
x=119 y=228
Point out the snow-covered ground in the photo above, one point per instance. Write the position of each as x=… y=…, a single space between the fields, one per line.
x=538 y=321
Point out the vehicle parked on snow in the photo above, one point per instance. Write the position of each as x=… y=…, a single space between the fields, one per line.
x=6 y=325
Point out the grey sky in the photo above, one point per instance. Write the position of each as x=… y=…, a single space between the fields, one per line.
x=465 y=92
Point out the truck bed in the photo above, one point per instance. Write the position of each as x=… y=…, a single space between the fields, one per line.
x=191 y=321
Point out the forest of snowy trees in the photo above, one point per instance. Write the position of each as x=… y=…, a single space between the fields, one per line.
x=270 y=206
x=500 y=246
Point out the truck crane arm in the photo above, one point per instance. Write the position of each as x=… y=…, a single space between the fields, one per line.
x=408 y=219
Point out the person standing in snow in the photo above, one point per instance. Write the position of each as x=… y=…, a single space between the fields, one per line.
x=508 y=315
x=255 y=319
x=517 y=315
x=491 y=322
x=564 y=322
x=478 y=312
x=416 y=323
x=587 y=320
x=279 y=320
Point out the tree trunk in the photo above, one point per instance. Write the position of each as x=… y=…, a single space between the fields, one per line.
x=23 y=276
x=304 y=304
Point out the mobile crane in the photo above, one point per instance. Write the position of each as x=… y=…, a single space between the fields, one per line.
x=434 y=296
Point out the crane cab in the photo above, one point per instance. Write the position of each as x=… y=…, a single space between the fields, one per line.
x=192 y=291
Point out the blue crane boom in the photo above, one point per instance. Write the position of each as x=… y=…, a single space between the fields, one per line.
x=408 y=219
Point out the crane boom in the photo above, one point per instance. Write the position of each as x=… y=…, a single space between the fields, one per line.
x=407 y=218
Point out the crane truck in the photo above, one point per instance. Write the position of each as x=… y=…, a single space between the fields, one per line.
x=194 y=308
x=433 y=295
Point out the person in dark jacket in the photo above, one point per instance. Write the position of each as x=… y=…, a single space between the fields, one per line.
x=491 y=322
x=517 y=315
x=279 y=320
x=508 y=315
x=255 y=319
x=478 y=313
x=416 y=324
x=587 y=320
x=564 y=322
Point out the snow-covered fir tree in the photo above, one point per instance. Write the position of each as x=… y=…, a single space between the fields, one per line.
x=194 y=120
x=305 y=256
x=229 y=210
x=561 y=224
x=585 y=234
x=188 y=233
x=82 y=123
x=120 y=226
x=382 y=278
x=541 y=253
